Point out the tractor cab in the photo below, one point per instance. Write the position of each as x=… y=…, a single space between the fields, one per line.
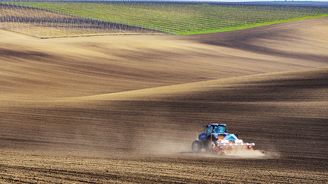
x=215 y=128
x=213 y=131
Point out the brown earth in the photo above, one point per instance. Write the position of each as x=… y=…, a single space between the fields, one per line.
x=126 y=108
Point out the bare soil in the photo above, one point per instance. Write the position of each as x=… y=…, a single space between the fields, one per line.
x=125 y=109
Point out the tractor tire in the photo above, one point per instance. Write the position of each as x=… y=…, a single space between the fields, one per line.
x=196 y=146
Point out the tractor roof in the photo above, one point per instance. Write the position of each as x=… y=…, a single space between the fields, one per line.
x=217 y=124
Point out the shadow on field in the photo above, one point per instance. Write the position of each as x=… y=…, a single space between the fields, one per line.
x=251 y=40
x=23 y=54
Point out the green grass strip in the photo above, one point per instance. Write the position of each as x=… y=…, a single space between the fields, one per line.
x=249 y=26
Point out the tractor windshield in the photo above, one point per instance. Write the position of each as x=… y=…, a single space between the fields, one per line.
x=220 y=129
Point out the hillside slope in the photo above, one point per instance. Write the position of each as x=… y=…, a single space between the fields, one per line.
x=126 y=108
x=60 y=76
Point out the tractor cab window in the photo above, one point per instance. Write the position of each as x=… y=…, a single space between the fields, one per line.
x=220 y=129
x=208 y=130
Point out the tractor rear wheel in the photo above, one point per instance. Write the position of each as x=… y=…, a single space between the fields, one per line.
x=196 y=146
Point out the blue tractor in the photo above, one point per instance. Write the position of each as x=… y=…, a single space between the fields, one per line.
x=215 y=138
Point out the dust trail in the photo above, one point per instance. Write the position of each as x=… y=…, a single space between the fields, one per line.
x=166 y=147
x=182 y=148
x=256 y=154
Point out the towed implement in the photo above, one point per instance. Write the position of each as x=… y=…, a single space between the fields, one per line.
x=216 y=139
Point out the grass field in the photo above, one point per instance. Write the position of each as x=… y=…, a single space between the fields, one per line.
x=183 y=19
